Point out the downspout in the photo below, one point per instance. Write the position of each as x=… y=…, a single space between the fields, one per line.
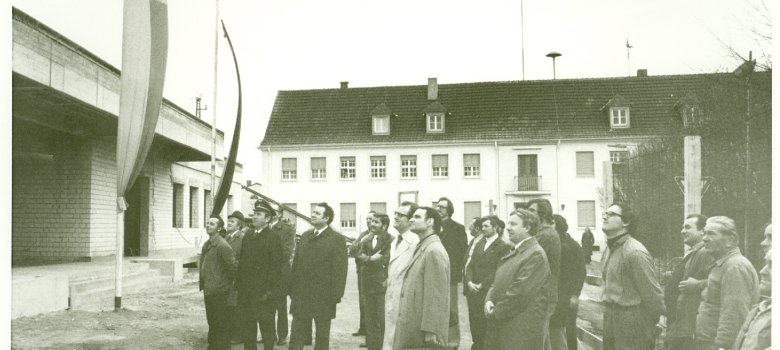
x=498 y=180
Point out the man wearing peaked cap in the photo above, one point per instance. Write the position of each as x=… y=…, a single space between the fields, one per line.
x=234 y=237
x=259 y=277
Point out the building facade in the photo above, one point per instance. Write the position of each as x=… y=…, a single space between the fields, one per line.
x=64 y=117
x=489 y=147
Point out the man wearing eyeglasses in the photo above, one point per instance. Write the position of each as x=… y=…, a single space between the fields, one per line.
x=632 y=295
x=401 y=251
x=453 y=237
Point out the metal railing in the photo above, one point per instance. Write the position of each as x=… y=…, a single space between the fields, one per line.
x=528 y=183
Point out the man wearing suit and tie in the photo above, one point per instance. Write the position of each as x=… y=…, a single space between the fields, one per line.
x=374 y=253
x=453 y=237
x=319 y=274
x=401 y=251
x=259 y=278
x=516 y=304
x=479 y=275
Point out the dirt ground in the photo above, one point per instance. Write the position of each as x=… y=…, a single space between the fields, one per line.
x=168 y=317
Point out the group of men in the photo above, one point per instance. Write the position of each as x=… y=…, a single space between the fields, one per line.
x=711 y=298
x=522 y=287
x=247 y=270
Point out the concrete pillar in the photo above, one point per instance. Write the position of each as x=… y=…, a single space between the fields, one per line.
x=692 y=183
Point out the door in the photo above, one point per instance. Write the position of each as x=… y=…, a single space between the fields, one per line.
x=137 y=219
x=527 y=176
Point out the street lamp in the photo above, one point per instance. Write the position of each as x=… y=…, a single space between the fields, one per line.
x=553 y=55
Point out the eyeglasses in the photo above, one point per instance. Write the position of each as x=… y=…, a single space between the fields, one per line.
x=608 y=214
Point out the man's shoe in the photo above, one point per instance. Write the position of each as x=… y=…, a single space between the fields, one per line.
x=281 y=341
x=363 y=345
x=260 y=341
x=235 y=341
x=359 y=333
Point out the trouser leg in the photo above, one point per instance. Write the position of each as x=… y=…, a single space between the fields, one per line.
x=217 y=318
x=265 y=318
x=477 y=321
x=281 y=317
x=375 y=320
x=558 y=337
x=571 y=330
x=322 y=337
x=299 y=331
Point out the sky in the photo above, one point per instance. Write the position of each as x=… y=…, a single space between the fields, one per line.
x=309 y=44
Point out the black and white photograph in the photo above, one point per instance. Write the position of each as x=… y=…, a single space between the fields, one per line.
x=347 y=174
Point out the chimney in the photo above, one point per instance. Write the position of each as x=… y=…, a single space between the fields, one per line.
x=344 y=85
x=641 y=73
x=433 y=89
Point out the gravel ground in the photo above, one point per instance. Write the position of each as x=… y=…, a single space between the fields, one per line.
x=168 y=317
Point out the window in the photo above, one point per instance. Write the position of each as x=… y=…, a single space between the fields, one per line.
x=194 y=207
x=381 y=125
x=435 y=122
x=178 y=205
x=440 y=167
x=378 y=167
x=318 y=168
x=471 y=165
x=617 y=157
x=408 y=167
x=585 y=164
x=691 y=115
x=229 y=204
x=347 y=167
x=586 y=213
x=207 y=206
x=471 y=210
x=619 y=117
x=289 y=169
x=348 y=215
x=378 y=207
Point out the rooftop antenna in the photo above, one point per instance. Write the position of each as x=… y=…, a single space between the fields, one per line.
x=628 y=56
x=198 y=107
x=522 y=40
x=553 y=55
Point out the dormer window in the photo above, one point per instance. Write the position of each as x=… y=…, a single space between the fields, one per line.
x=435 y=122
x=619 y=112
x=690 y=111
x=619 y=117
x=381 y=124
x=434 y=117
x=380 y=120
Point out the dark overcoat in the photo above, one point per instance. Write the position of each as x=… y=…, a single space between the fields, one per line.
x=260 y=268
x=520 y=292
x=319 y=274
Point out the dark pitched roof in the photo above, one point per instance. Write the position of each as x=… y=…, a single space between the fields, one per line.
x=515 y=110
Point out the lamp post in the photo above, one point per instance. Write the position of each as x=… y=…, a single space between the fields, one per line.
x=553 y=55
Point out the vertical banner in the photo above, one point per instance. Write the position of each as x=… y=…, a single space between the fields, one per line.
x=144 y=57
x=227 y=173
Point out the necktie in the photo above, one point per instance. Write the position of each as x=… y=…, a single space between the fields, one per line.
x=373 y=243
x=398 y=240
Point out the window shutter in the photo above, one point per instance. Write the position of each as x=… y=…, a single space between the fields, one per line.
x=585 y=164
x=318 y=163
x=471 y=160
x=439 y=160
x=586 y=213
x=289 y=164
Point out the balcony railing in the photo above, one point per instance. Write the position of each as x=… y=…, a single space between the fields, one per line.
x=528 y=183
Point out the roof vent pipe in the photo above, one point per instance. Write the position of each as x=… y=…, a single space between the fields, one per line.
x=641 y=73
x=344 y=85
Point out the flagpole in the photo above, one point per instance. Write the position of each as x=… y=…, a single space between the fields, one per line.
x=214 y=110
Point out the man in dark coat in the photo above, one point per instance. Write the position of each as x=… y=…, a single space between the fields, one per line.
x=453 y=237
x=319 y=274
x=569 y=287
x=354 y=250
x=374 y=253
x=478 y=278
x=587 y=244
x=259 y=278
x=549 y=241
x=286 y=233
x=516 y=304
